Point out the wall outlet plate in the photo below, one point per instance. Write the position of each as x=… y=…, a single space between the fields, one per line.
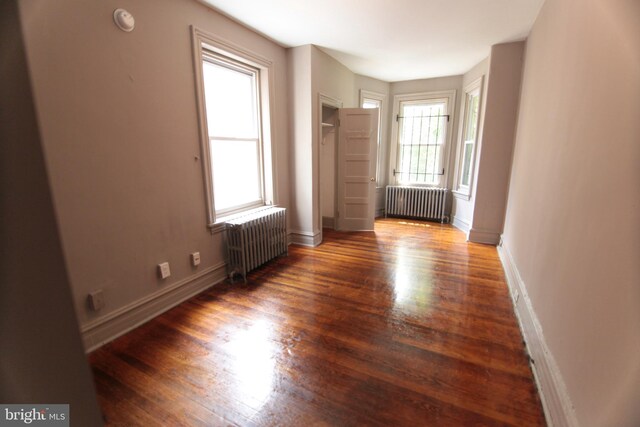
x=195 y=259
x=96 y=300
x=164 y=270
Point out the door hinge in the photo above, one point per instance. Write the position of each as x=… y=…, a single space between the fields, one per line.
x=338 y=122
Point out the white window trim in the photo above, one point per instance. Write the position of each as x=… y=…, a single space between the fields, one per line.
x=200 y=41
x=460 y=191
x=450 y=95
x=382 y=98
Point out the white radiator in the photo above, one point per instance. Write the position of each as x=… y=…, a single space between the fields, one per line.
x=416 y=202
x=256 y=238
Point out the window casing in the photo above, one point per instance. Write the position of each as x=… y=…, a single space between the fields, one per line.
x=375 y=100
x=421 y=138
x=468 y=138
x=233 y=88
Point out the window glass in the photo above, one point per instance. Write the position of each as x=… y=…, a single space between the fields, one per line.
x=376 y=103
x=469 y=136
x=422 y=131
x=231 y=102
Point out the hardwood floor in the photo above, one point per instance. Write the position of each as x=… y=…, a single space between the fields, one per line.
x=409 y=325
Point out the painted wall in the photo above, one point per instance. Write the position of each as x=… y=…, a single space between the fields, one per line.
x=498 y=133
x=300 y=129
x=572 y=223
x=119 y=125
x=462 y=209
x=42 y=355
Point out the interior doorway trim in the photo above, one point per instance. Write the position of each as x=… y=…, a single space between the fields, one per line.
x=323 y=101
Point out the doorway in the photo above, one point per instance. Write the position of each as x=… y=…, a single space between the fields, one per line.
x=328 y=165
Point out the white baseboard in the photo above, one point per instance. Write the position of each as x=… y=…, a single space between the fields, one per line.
x=558 y=409
x=483 y=236
x=107 y=328
x=379 y=213
x=461 y=224
x=305 y=238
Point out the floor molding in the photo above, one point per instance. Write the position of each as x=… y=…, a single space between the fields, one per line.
x=461 y=224
x=107 y=328
x=558 y=409
x=483 y=236
x=305 y=238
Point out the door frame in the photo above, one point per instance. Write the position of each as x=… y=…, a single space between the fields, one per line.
x=323 y=101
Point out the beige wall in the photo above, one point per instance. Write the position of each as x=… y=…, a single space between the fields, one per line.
x=496 y=146
x=573 y=216
x=42 y=355
x=120 y=131
x=300 y=129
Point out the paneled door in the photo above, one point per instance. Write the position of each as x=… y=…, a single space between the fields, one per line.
x=357 y=152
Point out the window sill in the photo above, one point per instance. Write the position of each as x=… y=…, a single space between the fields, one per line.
x=221 y=223
x=462 y=195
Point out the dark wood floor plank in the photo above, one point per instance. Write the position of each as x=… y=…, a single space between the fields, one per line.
x=410 y=325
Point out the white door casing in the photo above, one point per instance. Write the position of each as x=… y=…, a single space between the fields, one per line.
x=357 y=155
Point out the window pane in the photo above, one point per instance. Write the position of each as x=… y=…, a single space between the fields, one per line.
x=370 y=103
x=236 y=172
x=230 y=97
x=421 y=139
x=472 y=117
x=466 y=163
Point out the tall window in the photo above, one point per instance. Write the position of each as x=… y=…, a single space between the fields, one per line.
x=233 y=123
x=468 y=137
x=375 y=100
x=422 y=137
x=232 y=87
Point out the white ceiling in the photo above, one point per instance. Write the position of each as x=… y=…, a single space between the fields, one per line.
x=391 y=40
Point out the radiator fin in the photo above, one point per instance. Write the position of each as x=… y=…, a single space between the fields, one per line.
x=416 y=202
x=256 y=238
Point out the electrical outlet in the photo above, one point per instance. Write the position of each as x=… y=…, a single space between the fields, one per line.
x=195 y=259
x=164 y=270
x=96 y=300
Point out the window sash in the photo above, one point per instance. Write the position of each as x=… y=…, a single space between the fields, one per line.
x=228 y=173
x=420 y=157
x=468 y=137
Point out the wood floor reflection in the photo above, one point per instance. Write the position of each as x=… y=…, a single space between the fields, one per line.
x=409 y=325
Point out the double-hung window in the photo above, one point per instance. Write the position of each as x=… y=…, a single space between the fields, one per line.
x=233 y=100
x=468 y=137
x=421 y=138
x=233 y=125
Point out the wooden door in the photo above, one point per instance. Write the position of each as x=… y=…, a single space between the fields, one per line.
x=357 y=155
